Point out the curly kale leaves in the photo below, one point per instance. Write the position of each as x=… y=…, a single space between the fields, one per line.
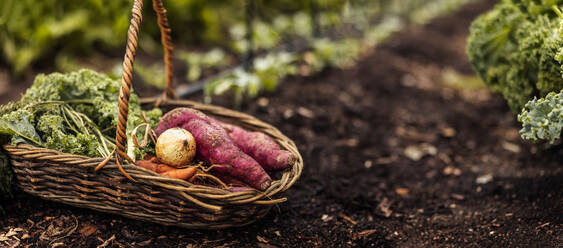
x=74 y=113
x=98 y=91
x=543 y=118
x=512 y=48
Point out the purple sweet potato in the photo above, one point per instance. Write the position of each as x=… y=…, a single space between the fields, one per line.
x=178 y=117
x=227 y=179
x=215 y=146
x=261 y=147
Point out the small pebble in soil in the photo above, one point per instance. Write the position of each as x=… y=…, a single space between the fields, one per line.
x=417 y=152
x=484 y=179
x=326 y=218
x=450 y=170
x=402 y=191
x=511 y=147
x=448 y=132
x=263 y=102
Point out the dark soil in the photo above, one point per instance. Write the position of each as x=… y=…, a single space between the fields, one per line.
x=393 y=158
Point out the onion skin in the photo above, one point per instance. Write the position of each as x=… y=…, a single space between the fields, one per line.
x=176 y=147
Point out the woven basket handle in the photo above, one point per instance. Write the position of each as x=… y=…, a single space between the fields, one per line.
x=127 y=75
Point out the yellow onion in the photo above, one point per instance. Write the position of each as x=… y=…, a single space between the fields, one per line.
x=175 y=147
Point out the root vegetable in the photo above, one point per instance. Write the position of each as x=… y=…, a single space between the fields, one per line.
x=153 y=166
x=178 y=117
x=229 y=180
x=261 y=147
x=215 y=146
x=175 y=147
x=167 y=171
x=183 y=174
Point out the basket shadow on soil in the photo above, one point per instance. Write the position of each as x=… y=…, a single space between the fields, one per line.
x=392 y=158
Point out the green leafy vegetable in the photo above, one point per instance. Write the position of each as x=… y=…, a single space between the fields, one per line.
x=268 y=71
x=542 y=119
x=74 y=113
x=198 y=61
x=512 y=48
x=18 y=124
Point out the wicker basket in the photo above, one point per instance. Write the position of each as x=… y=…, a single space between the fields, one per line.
x=71 y=179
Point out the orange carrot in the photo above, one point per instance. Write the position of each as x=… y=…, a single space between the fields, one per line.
x=183 y=174
x=153 y=166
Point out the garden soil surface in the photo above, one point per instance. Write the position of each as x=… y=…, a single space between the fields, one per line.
x=396 y=155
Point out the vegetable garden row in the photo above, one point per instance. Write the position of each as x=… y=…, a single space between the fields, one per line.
x=365 y=144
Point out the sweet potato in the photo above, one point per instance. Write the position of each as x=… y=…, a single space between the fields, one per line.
x=260 y=147
x=215 y=146
x=180 y=116
x=227 y=179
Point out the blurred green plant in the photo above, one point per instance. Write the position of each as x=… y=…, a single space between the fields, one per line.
x=435 y=8
x=198 y=61
x=31 y=30
x=512 y=48
x=324 y=52
x=542 y=119
x=268 y=71
x=516 y=49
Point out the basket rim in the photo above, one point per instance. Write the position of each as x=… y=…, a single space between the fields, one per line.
x=199 y=194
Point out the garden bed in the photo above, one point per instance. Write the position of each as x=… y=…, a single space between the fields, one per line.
x=394 y=156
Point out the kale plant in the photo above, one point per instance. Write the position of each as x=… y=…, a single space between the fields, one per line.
x=512 y=47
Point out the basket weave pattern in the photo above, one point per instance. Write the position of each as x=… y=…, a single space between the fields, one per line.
x=71 y=179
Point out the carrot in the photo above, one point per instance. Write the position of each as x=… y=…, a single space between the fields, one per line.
x=151 y=158
x=183 y=174
x=215 y=146
x=261 y=147
x=153 y=166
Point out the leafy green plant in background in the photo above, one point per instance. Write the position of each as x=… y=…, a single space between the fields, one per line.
x=435 y=8
x=339 y=53
x=512 y=47
x=151 y=74
x=268 y=71
x=198 y=61
x=30 y=30
x=264 y=37
x=324 y=52
x=516 y=48
x=542 y=119
x=273 y=67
